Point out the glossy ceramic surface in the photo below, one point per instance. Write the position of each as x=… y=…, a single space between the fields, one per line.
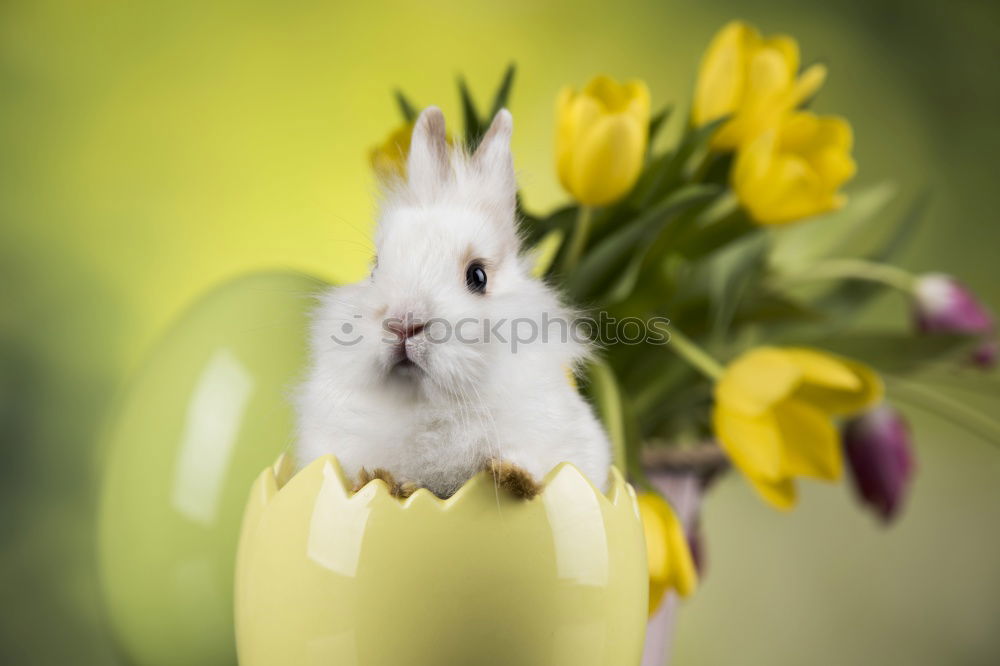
x=327 y=577
x=206 y=412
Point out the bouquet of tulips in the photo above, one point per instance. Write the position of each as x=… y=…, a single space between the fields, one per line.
x=736 y=249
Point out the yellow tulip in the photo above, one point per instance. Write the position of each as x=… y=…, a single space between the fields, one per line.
x=601 y=139
x=774 y=410
x=388 y=159
x=671 y=565
x=752 y=79
x=795 y=170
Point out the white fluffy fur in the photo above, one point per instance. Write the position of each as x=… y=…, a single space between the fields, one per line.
x=465 y=402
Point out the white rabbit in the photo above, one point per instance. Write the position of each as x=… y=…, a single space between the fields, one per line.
x=436 y=366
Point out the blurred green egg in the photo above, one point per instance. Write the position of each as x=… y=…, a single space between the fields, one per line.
x=207 y=411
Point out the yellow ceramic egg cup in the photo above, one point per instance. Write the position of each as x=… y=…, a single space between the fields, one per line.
x=328 y=577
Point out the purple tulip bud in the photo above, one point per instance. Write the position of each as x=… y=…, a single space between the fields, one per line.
x=985 y=355
x=945 y=305
x=880 y=455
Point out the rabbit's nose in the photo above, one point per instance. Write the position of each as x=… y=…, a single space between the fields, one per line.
x=405 y=330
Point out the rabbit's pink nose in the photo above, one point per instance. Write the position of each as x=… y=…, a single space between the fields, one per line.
x=405 y=330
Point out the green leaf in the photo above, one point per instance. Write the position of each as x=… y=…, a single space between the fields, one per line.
x=656 y=123
x=633 y=448
x=536 y=229
x=602 y=386
x=716 y=168
x=653 y=388
x=904 y=229
x=899 y=352
x=470 y=116
x=655 y=244
x=618 y=417
x=851 y=296
x=731 y=271
x=796 y=247
x=545 y=251
x=407 y=109
x=623 y=287
x=699 y=241
x=503 y=92
x=775 y=308
x=664 y=173
x=602 y=262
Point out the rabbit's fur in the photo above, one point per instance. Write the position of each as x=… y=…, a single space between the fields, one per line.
x=436 y=408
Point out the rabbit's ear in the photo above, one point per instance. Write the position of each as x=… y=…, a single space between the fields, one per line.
x=493 y=159
x=428 y=162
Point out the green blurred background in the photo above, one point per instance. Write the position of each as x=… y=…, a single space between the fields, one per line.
x=150 y=150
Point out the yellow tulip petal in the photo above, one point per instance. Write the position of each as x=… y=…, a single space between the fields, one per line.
x=728 y=136
x=753 y=162
x=873 y=388
x=607 y=160
x=753 y=443
x=840 y=402
x=657 y=553
x=834 y=167
x=388 y=160
x=564 y=130
x=754 y=80
x=581 y=115
x=576 y=114
x=657 y=593
x=836 y=132
x=807 y=134
x=757 y=380
x=601 y=138
x=810 y=81
x=779 y=494
x=798 y=173
x=722 y=73
x=685 y=575
x=810 y=442
x=563 y=101
x=765 y=98
x=790 y=176
x=638 y=101
x=788 y=49
x=773 y=415
x=792 y=190
x=798 y=132
x=823 y=369
x=767 y=77
x=612 y=95
x=667 y=551
x=796 y=207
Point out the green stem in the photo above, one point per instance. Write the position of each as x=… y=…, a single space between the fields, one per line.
x=954 y=411
x=854 y=269
x=695 y=355
x=578 y=241
x=661 y=384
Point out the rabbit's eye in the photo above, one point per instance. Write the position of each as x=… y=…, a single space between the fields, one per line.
x=475 y=277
